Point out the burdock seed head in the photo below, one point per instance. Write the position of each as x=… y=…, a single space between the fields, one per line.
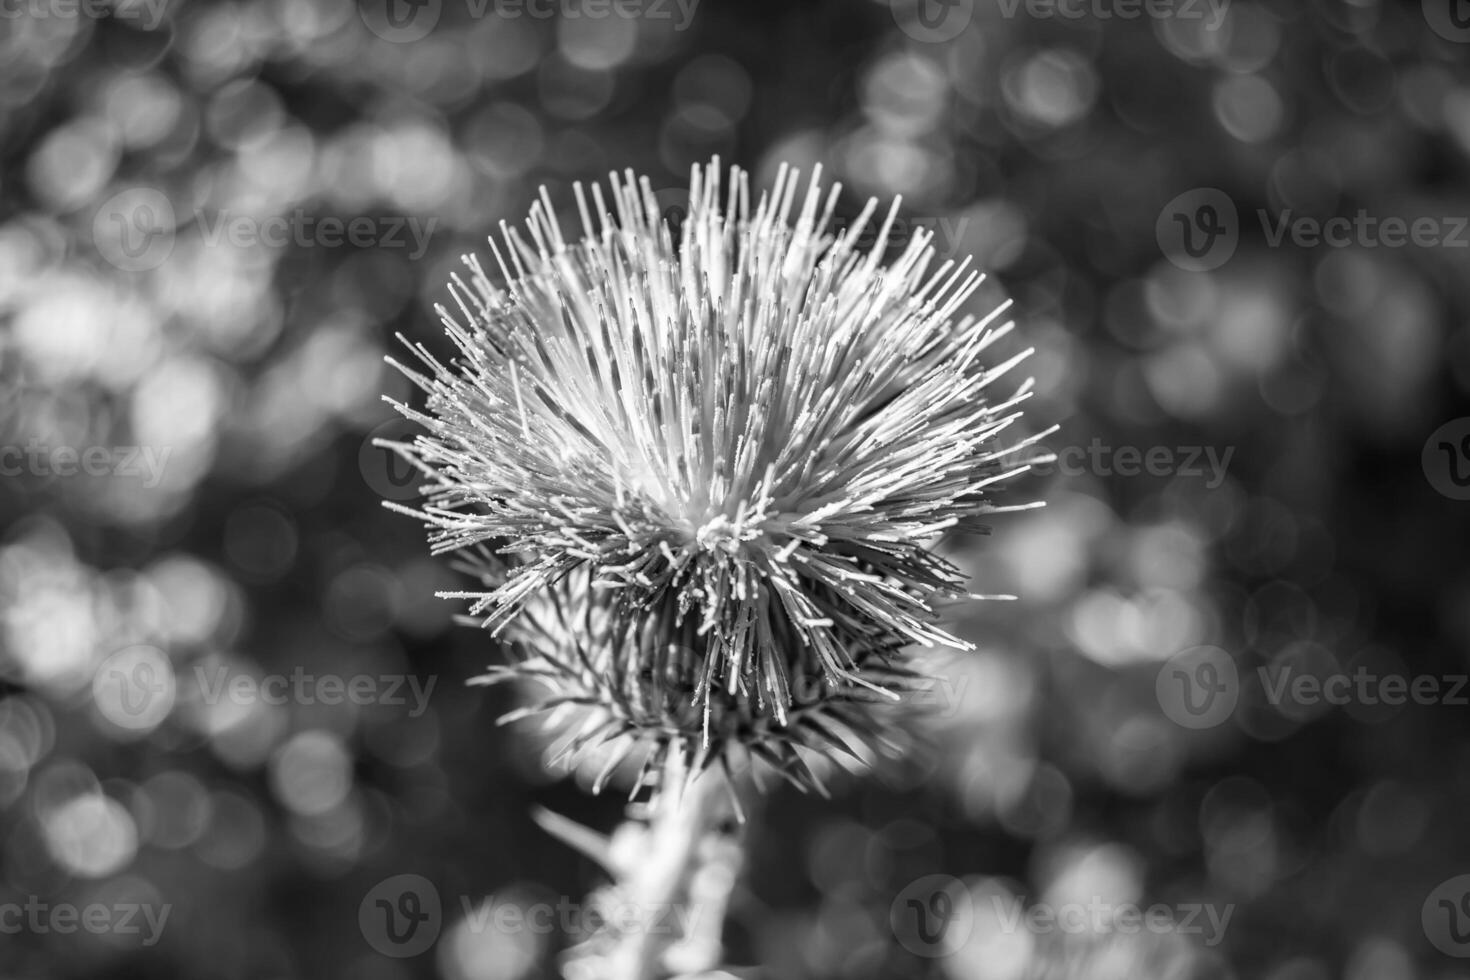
x=700 y=482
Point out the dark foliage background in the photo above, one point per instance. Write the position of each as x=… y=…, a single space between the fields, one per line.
x=1330 y=539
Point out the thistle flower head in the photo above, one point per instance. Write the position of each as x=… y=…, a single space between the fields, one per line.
x=712 y=471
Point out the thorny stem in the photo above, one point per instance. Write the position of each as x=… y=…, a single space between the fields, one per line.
x=678 y=875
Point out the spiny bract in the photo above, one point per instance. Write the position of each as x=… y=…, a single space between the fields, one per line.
x=734 y=452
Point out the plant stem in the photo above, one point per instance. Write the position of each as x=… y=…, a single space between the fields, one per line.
x=675 y=863
x=686 y=825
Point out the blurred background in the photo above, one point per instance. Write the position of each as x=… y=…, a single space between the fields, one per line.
x=231 y=707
